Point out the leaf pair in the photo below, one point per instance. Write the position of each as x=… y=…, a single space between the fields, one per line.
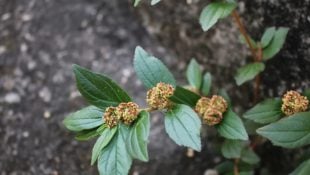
x=181 y=123
x=289 y=132
x=195 y=79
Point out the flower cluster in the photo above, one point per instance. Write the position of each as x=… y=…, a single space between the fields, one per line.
x=125 y=112
x=158 y=96
x=293 y=103
x=211 y=109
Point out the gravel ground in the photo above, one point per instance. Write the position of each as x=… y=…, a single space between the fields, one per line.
x=39 y=41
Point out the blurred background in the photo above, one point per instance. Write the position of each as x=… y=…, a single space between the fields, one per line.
x=41 y=39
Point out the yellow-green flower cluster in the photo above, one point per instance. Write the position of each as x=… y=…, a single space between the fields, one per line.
x=293 y=103
x=158 y=96
x=124 y=112
x=211 y=109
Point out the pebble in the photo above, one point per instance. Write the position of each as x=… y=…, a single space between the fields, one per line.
x=47 y=114
x=2 y=50
x=45 y=94
x=211 y=172
x=26 y=134
x=12 y=98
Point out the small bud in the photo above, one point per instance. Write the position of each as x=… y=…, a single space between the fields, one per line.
x=110 y=117
x=293 y=103
x=202 y=105
x=128 y=112
x=158 y=96
x=211 y=110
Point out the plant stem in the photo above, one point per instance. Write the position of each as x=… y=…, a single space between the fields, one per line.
x=149 y=109
x=257 y=78
x=236 y=169
x=244 y=33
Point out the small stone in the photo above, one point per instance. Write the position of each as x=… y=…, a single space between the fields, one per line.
x=190 y=153
x=2 y=50
x=23 y=47
x=26 y=17
x=26 y=134
x=47 y=114
x=31 y=65
x=6 y=16
x=45 y=94
x=211 y=172
x=12 y=98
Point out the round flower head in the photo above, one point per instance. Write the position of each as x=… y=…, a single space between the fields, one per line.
x=202 y=105
x=110 y=117
x=218 y=103
x=212 y=116
x=158 y=96
x=293 y=103
x=128 y=112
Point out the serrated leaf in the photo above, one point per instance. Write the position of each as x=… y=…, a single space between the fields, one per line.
x=102 y=141
x=267 y=36
x=193 y=74
x=276 y=43
x=86 y=118
x=206 y=84
x=232 y=148
x=231 y=127
x=302 y=169
x=184 y=96
x=154 y=2
x=265 y=112
x=151 y=70
x=98 y=89
x=215 y=11
x=86 y=134
x=248 y=72
x=249 y=156
x=289 y=132
x=183 y=126
x=114 y=159
x=138 y=137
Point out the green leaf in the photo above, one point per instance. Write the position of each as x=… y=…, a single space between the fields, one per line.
x=86 y=118
x=154 y=2
x=183 y=126
x=224 y=94
x=138 y=137
x=206 y=85
x=267 y=36
x=225 y=167
x=193 y=74
x=232 y=148
x=86 y=134
x=98 y=89
x=151 y=70
x=114 y=158
x=302 y=169
x=252 y=126
x=289 y=132
x=213 y=12
x=307 y=93
x=184 y=96
x=276 y=43
x=232 y=127
x=102 y=141
x=136 y=3
x=265 y=112
x=249 y=156
x=248 y=72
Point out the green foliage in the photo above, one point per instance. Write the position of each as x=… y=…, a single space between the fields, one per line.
x=232 y=127
x=265 y=112
x=302 y=169
x=151 y=70
x=276 y=43
x=307 y=93
x=215 y=11
x=232 y=148
x=206 y=84
x=138 y=137
x=193 y=74
x=290 y=132
x=249 y=156
x=248 y=72
x=98 y=89
x=154 y=2
x=86 y=134
x=184 y=96
x=267 y=36
x=225 y=167
x=183 y=126
x=136 y=3
x=102 y=141
x=86 y=118
x=114 y=159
